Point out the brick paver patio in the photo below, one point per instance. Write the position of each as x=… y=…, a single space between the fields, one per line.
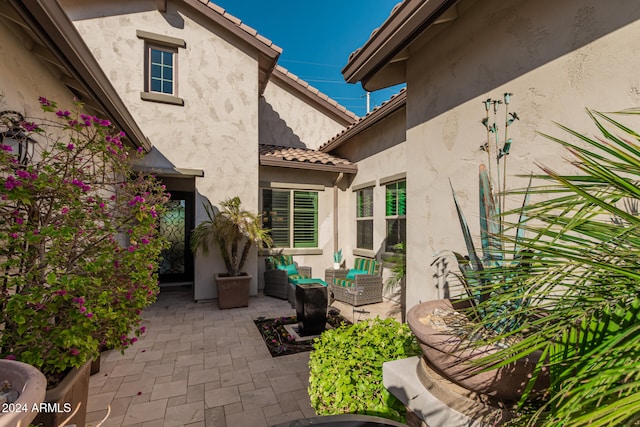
x=199 y=366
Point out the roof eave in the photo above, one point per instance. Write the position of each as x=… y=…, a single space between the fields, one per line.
x=282 y=163
x=51 y=24
x=386 y=109
x=406 y=23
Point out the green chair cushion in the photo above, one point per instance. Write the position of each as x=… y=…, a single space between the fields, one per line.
x=345 y=283
x=370 y=265
x=289 y=268
x=353 y=273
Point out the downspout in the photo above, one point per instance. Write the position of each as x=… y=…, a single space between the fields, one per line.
x=335 y=211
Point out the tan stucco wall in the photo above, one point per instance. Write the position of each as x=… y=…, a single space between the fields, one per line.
x=24 y=78
x=217 y=128
x=555 y=57
x=380 y=154
x=286 y=119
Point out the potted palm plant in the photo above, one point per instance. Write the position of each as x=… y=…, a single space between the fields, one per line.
x=234 y=230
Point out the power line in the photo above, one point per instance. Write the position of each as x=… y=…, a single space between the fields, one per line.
x=310 y=63
x=324 y=81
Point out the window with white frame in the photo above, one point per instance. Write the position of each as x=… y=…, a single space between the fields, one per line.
x=162 y=71
x=395 y=214
x=292 y=217
x=364 y=218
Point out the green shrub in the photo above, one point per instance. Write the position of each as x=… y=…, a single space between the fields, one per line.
x=346 y=368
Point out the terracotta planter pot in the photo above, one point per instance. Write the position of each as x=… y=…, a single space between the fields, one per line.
x=69 y=395
x=30 y=383
x=95 y=366
x=452 y=358
x=233 y=291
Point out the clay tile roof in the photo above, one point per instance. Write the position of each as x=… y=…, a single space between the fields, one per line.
x=303 y=158
x=345 y=116
x=375 y=115
x=238 y=23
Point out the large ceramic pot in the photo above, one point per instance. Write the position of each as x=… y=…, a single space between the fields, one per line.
x=345 y=420
x=233 y=291
x=68 y=397
x=30 y=385
x=452 y=357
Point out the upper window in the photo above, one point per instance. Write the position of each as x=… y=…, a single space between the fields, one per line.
x=161 y=67
x=161 y=76
x=292 y=217
x=395 y=213
x=364 y=218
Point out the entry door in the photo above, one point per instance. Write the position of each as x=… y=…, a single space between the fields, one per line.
x=176 y=264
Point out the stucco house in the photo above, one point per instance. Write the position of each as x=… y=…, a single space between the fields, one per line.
x=203 y=95
x=557 y=58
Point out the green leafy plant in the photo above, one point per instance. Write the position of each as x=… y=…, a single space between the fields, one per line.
x=78 y=241
x=337 y=256
x=346 y=368
x=234 y=230
x=586 y=279
x=396 y=283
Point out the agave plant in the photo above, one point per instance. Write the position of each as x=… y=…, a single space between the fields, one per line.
x=497 y=269
x=484 y=276
x=586 y=278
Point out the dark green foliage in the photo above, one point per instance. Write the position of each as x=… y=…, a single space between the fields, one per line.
x=346 y=368
x=585 y=277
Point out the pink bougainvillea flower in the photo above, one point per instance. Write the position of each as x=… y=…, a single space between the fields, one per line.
x=10 y=357
x=74 y=351
x=29 y=126
x=11 y=183
x=70 y=146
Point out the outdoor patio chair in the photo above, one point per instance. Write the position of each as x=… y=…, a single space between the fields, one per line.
x=280 y=269
x=360 y=285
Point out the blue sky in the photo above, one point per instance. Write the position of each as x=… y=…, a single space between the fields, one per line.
x=317 y=38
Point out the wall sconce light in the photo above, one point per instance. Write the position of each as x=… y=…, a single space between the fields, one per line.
x=12 y=134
